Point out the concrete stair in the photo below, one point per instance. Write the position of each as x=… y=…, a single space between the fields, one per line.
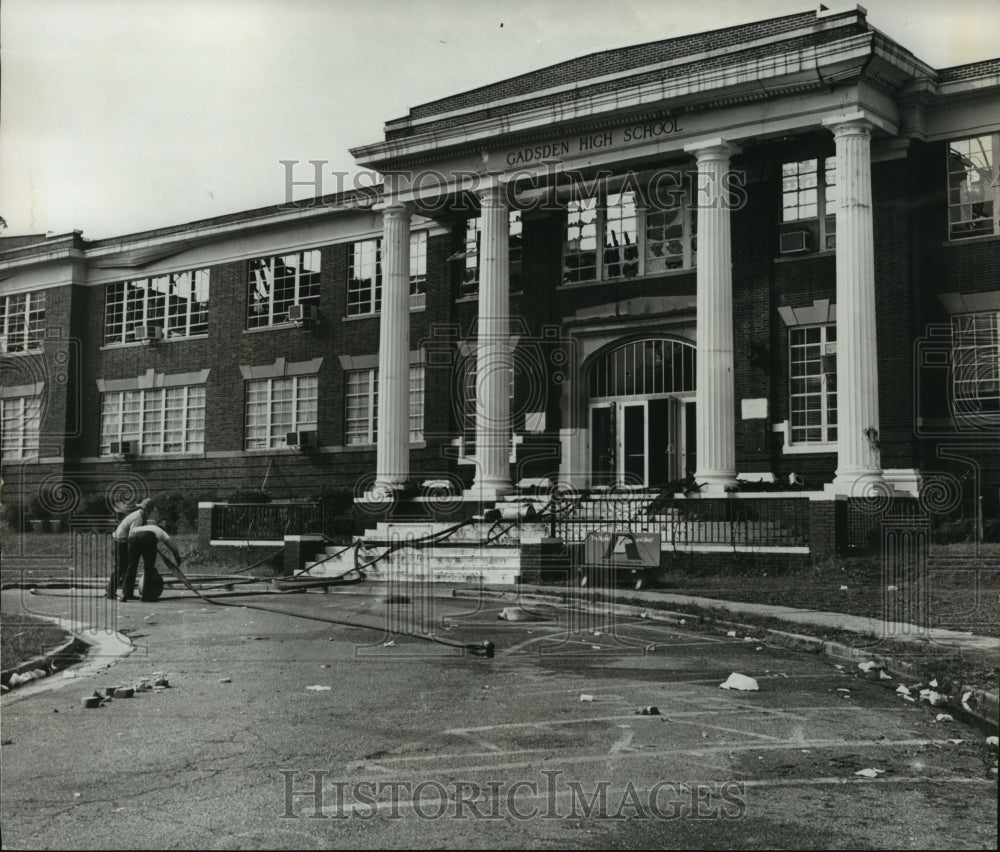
x=461 y=558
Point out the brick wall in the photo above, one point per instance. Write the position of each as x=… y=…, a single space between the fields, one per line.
x=228 y=346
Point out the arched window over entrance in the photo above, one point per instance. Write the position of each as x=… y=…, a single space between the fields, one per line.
x=641 y=413
x=644 y=367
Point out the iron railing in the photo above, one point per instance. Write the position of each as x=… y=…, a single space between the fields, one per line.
x=267 y=521
x=681 y=521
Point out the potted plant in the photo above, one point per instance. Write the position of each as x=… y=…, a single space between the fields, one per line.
x=37 y=515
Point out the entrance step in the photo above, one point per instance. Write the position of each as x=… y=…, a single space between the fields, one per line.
x=463 y=557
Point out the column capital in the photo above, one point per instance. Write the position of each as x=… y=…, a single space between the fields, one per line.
x=712 y=149
x=849 y=124
x=493 y=192
x=397 y=209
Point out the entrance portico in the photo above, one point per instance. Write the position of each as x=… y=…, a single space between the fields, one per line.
x=702 y=136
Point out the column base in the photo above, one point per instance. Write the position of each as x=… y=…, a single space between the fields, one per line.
x=716 y=483
x=859 y=483
x=487 y=492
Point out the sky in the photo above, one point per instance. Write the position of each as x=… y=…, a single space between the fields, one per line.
x=118 y=116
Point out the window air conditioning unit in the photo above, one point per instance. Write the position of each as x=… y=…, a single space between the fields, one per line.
x=302 y=314
x=829 y=358
x=794 y=241
x=149 y=333
x=125 y=449
x=301 y=440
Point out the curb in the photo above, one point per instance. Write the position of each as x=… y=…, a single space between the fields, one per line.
x=983 y=707
x=59 y=658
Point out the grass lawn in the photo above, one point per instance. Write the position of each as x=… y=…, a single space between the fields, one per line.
x=24 y=636
x=963 y=598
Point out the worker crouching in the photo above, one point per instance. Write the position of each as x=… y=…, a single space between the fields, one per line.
x=143 y=543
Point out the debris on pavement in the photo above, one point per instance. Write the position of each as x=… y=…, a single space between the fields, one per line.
x=903 y=690
x=883 y=676
x=870 y=773
x=316 y=687
x=740 y=682
x=934 y=698
x=585 y=697
x=944 y=717
x=871 y=665
x=225 y=680
x=648 y=711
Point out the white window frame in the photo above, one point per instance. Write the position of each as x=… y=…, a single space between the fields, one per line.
x=20 y=426
x=141 y=416
x=306 y=285
x=610 y=195
x=976 y=365
x=827 y=348
x=367 y=390
x=370 y=301
x=303 y=410
x=418 y=269
x=824 y=197
x=27 y=319
x=960 y=209
x=157 y=287
x=470 y=252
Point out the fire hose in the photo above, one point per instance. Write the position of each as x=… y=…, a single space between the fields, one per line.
x=483 y=648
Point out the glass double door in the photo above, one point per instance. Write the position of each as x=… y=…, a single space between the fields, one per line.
x=641 y=442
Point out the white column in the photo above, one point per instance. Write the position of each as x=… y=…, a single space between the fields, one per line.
x=858 y=465
x=393 y=460
x=493 y=351
x=716 y=406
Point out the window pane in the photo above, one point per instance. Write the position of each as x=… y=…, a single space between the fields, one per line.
x=971 y=186
x=580 y=254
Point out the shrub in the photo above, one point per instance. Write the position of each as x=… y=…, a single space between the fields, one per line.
x=953 y=532
x=14 y=516
x=96 y=506
x=991 y=530
x=36 y=511
x=176 y=511
x=336 y=501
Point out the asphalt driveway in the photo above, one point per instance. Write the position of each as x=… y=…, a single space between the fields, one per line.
x=316 y=723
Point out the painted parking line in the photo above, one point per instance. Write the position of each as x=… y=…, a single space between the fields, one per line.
x=647 y=754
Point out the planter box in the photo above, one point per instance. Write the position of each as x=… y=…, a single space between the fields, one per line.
x=37 y=526
x=54 y=525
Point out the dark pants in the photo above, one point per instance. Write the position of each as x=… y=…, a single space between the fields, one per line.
x=119 y=567
x=140 y=546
